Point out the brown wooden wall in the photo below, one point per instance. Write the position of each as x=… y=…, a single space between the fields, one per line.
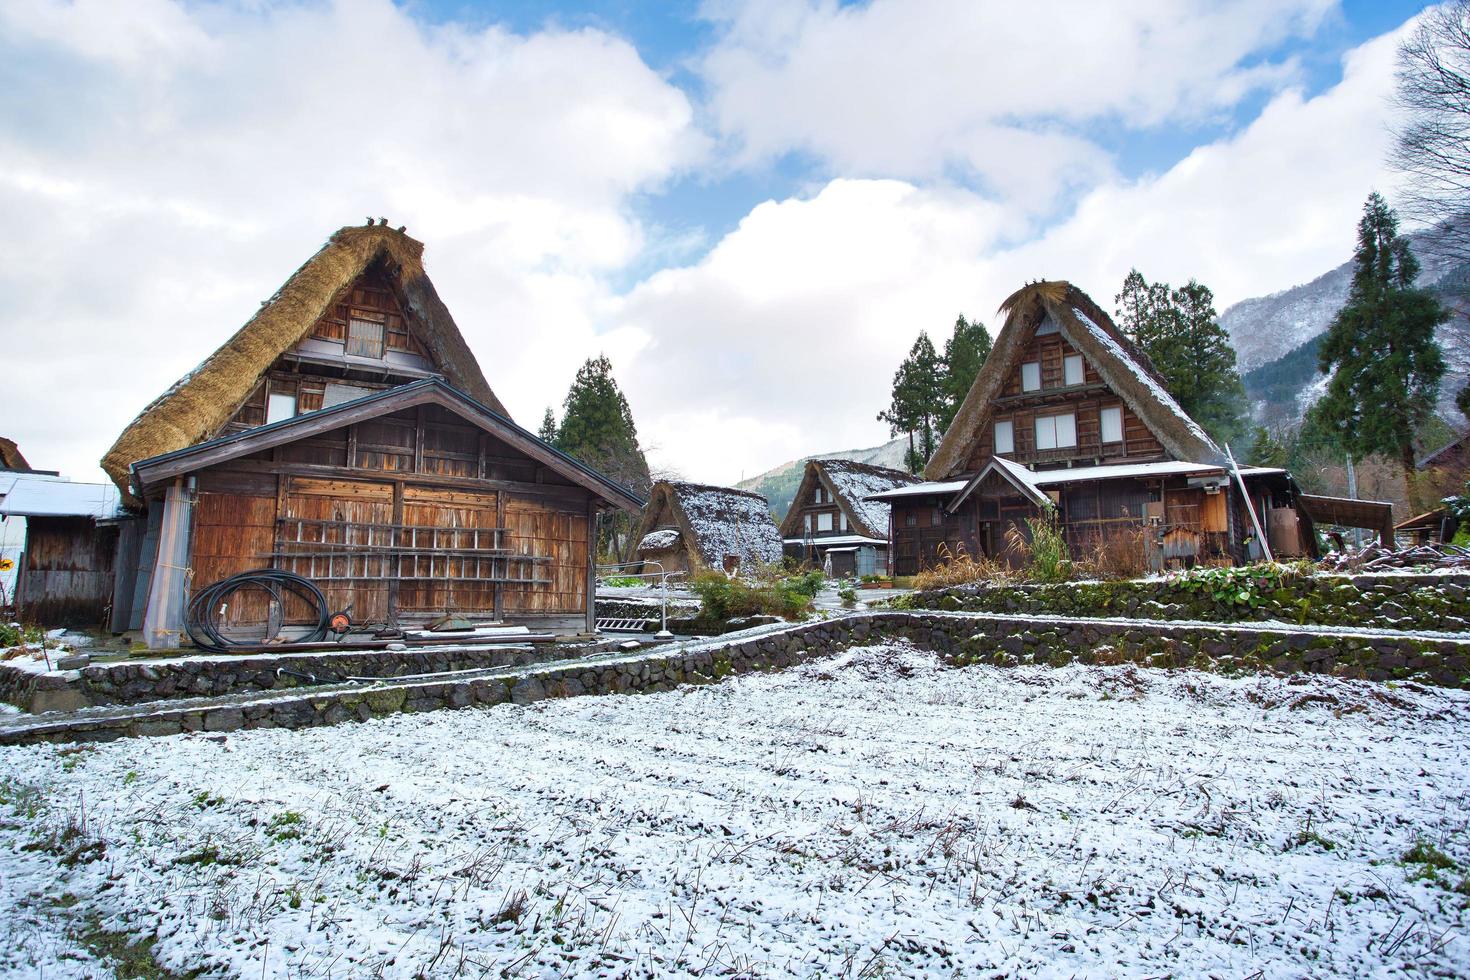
x=372 y=295
x=66 y=576
x=1194 y=526
x=1087 y=400
x=424 y=479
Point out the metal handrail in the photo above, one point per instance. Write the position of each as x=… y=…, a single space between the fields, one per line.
x=663 y=581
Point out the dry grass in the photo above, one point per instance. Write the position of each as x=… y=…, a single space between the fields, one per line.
x=960 y=568
x=1119 y=555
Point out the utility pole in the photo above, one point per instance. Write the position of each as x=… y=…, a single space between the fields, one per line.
x=1352 y=480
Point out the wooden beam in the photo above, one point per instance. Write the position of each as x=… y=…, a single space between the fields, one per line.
x=568 y=494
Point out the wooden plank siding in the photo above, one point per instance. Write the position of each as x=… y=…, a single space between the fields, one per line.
x=66 y=575
x=1087 y=400
x=339 y=507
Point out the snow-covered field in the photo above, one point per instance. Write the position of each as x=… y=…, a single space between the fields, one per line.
x=872 y=815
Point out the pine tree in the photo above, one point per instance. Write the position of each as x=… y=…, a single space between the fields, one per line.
x=964 y=354
x=1266 y=449
x=1180 y=332
x=547 y=432
x=917 y=400
x=597 y=428
x=1380 y=349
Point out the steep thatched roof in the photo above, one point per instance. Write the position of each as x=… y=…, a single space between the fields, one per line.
x=10 y=457
x=203 y=400
x=1125 y=368
x=850 y=483
x=714 y=522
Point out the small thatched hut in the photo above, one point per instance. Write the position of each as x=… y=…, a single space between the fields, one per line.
x=346 y=433
x=1069 y=416
x=690 y=526
x=833 y=524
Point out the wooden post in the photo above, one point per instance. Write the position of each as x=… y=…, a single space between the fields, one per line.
x=1249 y=505
x=592 y=565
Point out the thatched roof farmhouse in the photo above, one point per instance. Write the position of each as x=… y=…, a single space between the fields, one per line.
x=691 y=526
x=1068 y=416
x=833 y=522
x=346 y=433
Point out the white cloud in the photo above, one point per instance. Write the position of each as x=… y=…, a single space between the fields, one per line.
x=783 y=340
x=910 y=88
x=164 y=167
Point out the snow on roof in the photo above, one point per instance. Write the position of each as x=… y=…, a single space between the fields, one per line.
x=33 y=495
x=1147 y=379
x=939 y=487
x=728 y=522
x=1121 y=471
x=857 y=483
x=823 y=542
x=660 y=540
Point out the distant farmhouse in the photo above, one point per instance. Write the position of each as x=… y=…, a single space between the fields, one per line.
x=1443 y=472
x=832 y=523
x=1067 y=415
x=346 y=433
x=687 y=527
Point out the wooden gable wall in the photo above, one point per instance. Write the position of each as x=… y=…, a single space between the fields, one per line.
x=371 y=296
x=333 y=505
x=1086 y=401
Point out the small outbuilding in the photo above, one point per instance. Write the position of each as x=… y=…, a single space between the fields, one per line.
x=689 y=527
x=67 y=550
x=832 y=524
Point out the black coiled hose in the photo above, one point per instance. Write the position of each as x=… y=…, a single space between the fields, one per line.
x=202 y=619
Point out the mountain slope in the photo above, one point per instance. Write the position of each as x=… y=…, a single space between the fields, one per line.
x=779 y=485
x=1276 y=338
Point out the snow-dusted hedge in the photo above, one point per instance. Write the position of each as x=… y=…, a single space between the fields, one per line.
x=1406 y=602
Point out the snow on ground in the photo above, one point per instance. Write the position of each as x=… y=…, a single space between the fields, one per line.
x=875 y=814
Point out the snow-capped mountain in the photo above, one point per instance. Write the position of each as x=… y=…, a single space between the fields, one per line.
x=1275 y=337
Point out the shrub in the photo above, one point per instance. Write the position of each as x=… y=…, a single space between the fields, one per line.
x=1241 y=587
x=726 y=598
x=959 y=568
x=1046 y=553
x=623 y=582
x=10 y=635
x=848 y=595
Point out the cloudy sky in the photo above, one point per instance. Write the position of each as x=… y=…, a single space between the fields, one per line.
x=752 y=206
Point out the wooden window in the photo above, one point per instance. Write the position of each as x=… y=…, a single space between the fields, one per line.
x=936 y=517
x=280 y=406
x=1072 y=369
x=808 y=524
x=365 y=334
x=1005 y=437
x=1031 y=376
x=336 y=394
x=1056 y=431
x=1112 y=424
x=910 y=519
x=842 y=520
x=824 y=522
x=1047 y=326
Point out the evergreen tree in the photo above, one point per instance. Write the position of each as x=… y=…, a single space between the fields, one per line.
x=597 y=428
x=1380 y=349
x=1266 y=449
x=964 y=354
x=1462 y=401
x=917 y=400
x=547 y=432
x=1180 y=332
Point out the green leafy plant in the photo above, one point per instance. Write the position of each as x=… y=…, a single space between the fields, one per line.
x=11 y=635
x=848 y=595
x=1241 y=588
x=725 y=598
x=623 y=582
x=1045 y=553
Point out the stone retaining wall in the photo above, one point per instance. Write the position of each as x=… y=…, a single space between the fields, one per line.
x=140 y=681
x=1406 y=602
x=963 y=639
